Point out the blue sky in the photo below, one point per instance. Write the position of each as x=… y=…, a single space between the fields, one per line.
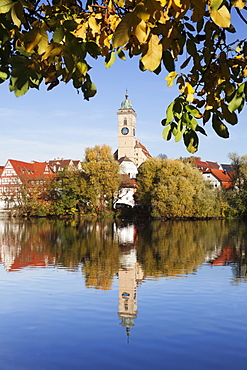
x=45 y=125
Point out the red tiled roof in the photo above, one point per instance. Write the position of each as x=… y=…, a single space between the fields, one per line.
x=213 y=165
x=127 y=182
x=144 y=149
x=202 y=165
x=30 y=170
x=222 y=176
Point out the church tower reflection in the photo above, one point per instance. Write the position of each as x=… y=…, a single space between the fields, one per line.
x=130 y=275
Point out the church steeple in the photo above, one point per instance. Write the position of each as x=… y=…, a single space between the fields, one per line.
x=126 y=104
x=126 y=129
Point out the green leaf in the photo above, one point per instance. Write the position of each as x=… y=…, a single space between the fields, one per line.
x=185 y=63
x=199 y=25
x=191 y=141
x=219 y=127
x=235 y=102
x=191 y=47
x=201 y=130
x=69 y=61
x=110 y=59
x=214 y=5
x=168 y=61
x=5 y=6
x=167 y=133
x=189 y=26
x=58 y=34
x=193 y=124
x=230 y=117
x=121 y=34
x=70 y=25
x=179 y=134
x=169 y=113
x=92 y=48
x=193 y=111
x=82 y=67
x=206 y=116
x=177 y=109
x=22 y=91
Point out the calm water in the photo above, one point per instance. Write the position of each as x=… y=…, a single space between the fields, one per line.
x=169 y=295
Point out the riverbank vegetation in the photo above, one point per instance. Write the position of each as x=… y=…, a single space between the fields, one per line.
x=165 y=188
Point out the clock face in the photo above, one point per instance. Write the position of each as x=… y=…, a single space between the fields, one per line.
x=125 y=130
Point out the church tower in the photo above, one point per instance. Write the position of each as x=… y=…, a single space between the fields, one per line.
x=126 y=130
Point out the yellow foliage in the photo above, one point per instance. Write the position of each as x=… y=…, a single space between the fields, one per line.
x=221 y=17
x=151 y=60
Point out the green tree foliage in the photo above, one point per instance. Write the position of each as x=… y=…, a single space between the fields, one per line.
x=102 y=171
x=237 y=196
x=54 y=41
x=171 y=189
x=69 y=192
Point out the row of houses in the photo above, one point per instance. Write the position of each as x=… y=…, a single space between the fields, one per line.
x=217 y=175
x=17 y=173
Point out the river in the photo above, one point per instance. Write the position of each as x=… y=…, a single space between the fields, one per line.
x=103 y=295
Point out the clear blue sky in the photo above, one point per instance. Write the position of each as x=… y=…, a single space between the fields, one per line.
x=45 y=125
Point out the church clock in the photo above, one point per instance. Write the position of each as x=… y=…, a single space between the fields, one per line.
x=125 y=130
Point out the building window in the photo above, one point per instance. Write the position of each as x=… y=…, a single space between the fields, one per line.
x=125 y=122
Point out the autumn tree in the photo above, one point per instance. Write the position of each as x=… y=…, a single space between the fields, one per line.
x=70 y=192
x=103 y=175
x=171 y=189
x=198 y=42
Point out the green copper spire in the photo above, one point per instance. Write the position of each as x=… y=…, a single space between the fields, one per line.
x=126 y=104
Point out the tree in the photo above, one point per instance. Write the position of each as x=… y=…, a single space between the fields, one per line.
x=174 y=189
x=52 y=41
x=71 y=192
x=237 y=196
x=103 y=174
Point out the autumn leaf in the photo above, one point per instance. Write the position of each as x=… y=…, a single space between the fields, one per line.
x=238 y=4
x=170 y=78
x=151 y=60
x=121 y=35
x=221 y=17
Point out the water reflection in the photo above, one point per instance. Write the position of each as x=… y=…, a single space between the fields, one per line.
x=130 y=275
x=103 y=250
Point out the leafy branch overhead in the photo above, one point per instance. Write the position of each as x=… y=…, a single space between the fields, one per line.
x=53 y=42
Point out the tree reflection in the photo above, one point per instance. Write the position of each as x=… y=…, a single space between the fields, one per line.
x=166 y=249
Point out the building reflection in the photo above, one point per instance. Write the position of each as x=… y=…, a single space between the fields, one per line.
x=130 y=275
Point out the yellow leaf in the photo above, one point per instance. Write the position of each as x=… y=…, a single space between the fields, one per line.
x=81 y=30
x=142 y=32
x=31 y=45
x=170 y=78
x=93 y=25
x=238 y=4
x=142 y=12
x=244 y=71
x=121 y=35
x=151 y=60
x=221 y=17
x=43 y=43
x=189 y=91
